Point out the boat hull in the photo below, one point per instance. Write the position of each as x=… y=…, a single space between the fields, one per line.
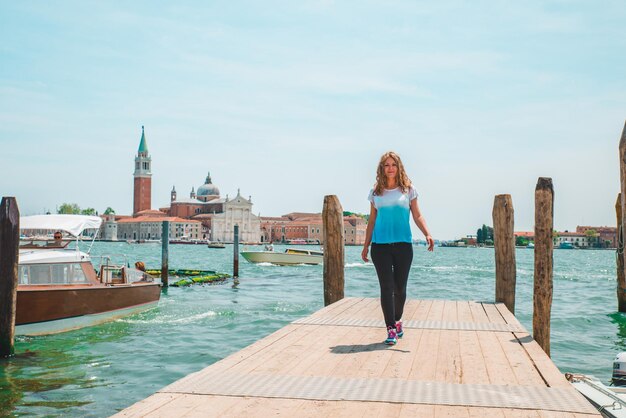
x=282 y=259
x=44 y=310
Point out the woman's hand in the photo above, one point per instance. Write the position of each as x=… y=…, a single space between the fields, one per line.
x=364 y=253
x=431 y=243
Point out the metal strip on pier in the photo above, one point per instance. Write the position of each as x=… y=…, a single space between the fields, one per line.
x=228 y=383
x=448 y=325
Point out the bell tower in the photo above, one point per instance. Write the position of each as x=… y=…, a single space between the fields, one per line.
x=142 y=196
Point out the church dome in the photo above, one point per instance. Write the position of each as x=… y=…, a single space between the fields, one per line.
x=208 y=188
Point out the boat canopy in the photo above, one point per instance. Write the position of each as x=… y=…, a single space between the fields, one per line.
x=72 y=224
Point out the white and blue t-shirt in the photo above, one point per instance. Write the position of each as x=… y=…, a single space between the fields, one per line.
x=392 y=217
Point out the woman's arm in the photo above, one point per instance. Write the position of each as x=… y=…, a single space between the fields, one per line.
x=419 y=220
x=368 y=232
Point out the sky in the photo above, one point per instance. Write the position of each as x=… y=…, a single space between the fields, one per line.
x=291 y=101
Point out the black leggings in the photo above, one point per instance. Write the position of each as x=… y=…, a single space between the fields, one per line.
x=392 y=262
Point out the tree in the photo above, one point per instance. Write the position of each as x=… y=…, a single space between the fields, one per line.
x=593 y=237
x=109 y=211
x=88 y=211
x=521 y=241
x=69 y=209
x=479 y=236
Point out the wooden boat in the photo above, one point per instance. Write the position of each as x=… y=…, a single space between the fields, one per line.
x=59 y=289
x=291 y=256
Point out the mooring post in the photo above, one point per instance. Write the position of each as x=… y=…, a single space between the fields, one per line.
x=165 y=252
x=504 y=243
x=9 y=249
x=622 y=221
x=619 y=258
x=332 y=216
x=544 y=246
x=236 y=252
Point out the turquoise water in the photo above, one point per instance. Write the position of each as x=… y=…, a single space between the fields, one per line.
x=98 y=371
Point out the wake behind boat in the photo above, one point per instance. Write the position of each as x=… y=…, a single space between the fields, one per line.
x=291 y=256
x=59 y=289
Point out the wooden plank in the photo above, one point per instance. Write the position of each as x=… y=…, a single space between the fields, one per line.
x=268 y=352
x=446 y=411
x=449 y=365
x=422 y=310
x=486 y=413
x=148 y=405
x=549 y=372
x=313 y=354
x=493 y=313
x=520 y=413
x=339 y=306
x=436 y=310
x=473 y=367
x=207 y=405
x=497 y=364
x=424 y=365
x=521 y=364
x=463 y=311
x=414 y=410
x=478 y=312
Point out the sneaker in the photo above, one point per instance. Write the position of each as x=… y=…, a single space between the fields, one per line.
x=399 y=330
x=391 y=336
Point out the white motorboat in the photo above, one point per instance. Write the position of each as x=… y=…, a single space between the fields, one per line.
x=291 y=256
x=610 y=401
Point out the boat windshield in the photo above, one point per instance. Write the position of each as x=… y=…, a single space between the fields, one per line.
x=34 y=243
x=53 y=273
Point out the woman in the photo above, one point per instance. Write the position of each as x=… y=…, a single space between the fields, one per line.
x=392 y=199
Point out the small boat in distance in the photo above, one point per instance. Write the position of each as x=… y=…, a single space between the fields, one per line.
x=60 y=290
x=291 y=256
x=216 y=245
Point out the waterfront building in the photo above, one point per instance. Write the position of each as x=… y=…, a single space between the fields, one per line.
x=577 y=239
x=354 y=228
x=607 y=235
x=142 y=193
x=108 y=228
x=150 y=227
x=309 y=227
x=529 y=235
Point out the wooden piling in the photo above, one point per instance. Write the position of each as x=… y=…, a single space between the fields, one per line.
x=165 y=252
x=9 y=250
x=544 y=245
x=504 y=243
x=619 y=258
x=621 y=297
x=236 y=252
x=332 y=216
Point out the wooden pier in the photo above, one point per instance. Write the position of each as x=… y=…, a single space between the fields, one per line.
x=457 y=359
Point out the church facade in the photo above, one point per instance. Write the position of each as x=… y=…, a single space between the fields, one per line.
x=237 y=211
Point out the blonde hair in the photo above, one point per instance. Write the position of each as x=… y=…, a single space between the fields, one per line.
x=381 y=180
x=139 y=265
